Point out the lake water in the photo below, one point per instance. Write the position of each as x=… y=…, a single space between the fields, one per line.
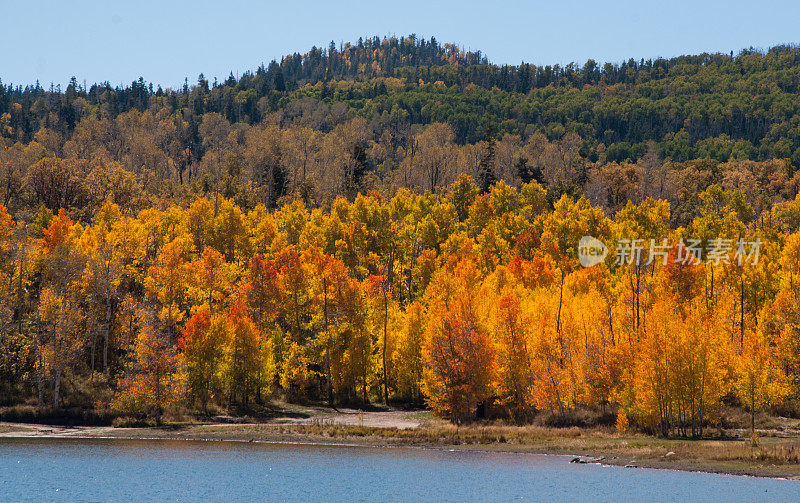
x=74 y=470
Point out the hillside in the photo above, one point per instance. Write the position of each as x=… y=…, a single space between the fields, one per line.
x=381 y=114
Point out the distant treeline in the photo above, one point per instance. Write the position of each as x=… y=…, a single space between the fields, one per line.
x=392 y=114
x=708 y=105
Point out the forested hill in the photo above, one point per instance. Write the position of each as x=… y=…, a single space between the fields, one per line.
x=395 y=105
x=708 y=103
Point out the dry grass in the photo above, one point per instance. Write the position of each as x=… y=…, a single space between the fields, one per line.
x=8 y=428
x=777 y=454
x=439 y=434
x=772 y=456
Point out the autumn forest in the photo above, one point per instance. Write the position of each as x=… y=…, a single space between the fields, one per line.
x=397 y=222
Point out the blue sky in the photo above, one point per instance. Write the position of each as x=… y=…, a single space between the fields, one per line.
x=165 y=41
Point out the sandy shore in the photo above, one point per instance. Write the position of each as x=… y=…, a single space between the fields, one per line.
x=775 y=455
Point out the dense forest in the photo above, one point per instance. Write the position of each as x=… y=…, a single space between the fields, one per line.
x=396 y=221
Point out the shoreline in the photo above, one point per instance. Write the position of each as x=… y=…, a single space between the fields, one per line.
x=587 y=446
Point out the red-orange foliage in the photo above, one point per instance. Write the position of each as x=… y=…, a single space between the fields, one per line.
x=457 y=349
x=57 y=233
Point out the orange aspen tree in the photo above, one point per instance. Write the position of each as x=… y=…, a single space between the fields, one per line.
x=155 y=380
x=457 y=349
x=515 y=384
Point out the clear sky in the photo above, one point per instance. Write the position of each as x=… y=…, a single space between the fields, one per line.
x=165 y=41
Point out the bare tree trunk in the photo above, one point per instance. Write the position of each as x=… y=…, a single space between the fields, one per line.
x=57 y=387
x=385 y=338
x=93 y=350
x=328 y=341
x=741 y=314
x=558 y=319
x=752 y=409
x=106 y=334
x=638 y=290
x=39 y=365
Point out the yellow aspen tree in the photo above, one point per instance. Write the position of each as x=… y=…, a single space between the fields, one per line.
x=407 y=356
x=202 y=345
x=759 y=381
x=166 y=281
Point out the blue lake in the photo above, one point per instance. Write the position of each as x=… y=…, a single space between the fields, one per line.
x=75 y=470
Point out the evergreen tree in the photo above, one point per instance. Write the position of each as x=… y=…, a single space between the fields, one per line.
x=486 y=174
x=527 y=173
